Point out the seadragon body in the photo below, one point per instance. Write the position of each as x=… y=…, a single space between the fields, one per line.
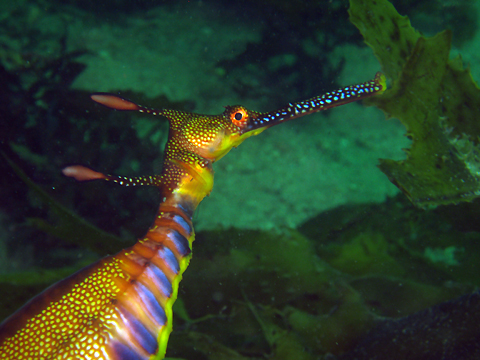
x=121 y=306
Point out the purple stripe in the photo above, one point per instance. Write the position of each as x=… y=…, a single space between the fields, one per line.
x=187 y=208
x=181 y=221
x=138 y=331
x=124 y=352
x=150 y=304
x=159 y=279
x=169 y=258
x=180 y=242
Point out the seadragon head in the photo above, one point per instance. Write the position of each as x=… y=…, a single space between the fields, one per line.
x=195 y=141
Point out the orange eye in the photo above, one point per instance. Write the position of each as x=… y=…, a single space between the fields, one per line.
x=239 y=117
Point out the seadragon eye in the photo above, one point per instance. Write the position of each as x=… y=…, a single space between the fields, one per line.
x=239 y=117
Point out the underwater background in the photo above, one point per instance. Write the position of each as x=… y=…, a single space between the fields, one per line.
x=305 y=249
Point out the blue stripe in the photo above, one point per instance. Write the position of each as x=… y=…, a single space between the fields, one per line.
x=159 y=279
x=181 y=243
x=151 y=304
x=169 y=258
x=187 y=209
x=123 y=352
x=181 y=221
x=139 y=332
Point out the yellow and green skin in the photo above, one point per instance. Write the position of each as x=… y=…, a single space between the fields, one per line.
x=121 y=306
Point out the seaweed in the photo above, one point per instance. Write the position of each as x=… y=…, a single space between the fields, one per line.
x=283 y=295
x=434 y=97
x=433 y=16
x=252 y=294
x=67 y=225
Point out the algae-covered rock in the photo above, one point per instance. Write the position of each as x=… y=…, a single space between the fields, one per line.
x=445 y=331
x=434 y=97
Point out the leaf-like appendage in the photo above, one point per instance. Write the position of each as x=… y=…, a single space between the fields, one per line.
x=434 y=97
